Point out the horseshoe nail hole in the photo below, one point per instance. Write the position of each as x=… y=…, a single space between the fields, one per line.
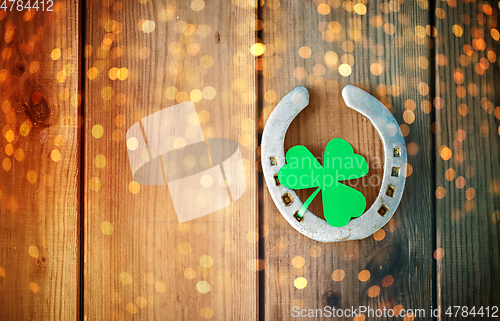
x=274 y=160
x=395 y=171
x=287 y=199
x=391 y=189
x=397 y=152
x=383 y=210
x=276 y=180
x=298 y=217
x=21 y=69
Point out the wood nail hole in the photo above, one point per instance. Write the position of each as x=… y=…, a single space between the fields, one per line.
x=21 y=69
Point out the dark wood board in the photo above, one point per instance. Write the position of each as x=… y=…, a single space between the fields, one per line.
x=467 y=153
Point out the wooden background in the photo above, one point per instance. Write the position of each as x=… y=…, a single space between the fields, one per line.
x=79 y=239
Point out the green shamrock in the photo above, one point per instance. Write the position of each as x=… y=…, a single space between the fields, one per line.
x=340 y=202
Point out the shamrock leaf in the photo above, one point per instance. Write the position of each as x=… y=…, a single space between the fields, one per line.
x=340 y=202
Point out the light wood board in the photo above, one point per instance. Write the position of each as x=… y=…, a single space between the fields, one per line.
x=140 y=263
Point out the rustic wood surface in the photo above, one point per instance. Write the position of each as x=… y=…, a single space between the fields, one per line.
x=432 y=63
x=140 y=263
x=40 y=155
x=325 y=47
x=467 y=149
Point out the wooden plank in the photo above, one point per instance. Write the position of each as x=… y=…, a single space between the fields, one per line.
x=468 y=171
x=383 y=48
x=140 y=263
x=39 y=178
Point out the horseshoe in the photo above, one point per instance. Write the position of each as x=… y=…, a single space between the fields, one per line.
x=287 y=201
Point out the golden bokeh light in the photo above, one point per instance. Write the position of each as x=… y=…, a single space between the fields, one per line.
x=100 y=161
x=55 y=54
x=360 y=8
x=338 y=275
x=206 y=261
x=359 y=317
x=364 y=275
x=95 y=184
x=31 y=177
x=257 y=49
x=323 y=9
x=460 y=182
x=9 y=136
x=134 y=187
x=33 y=251
x=9 y=149
x=34 y=287
x=440 y=192
x=55 y=155
x=125 y=278
x=300 y=283
x=373 y=291
x=184 y=248
x=345 y=70
x=189 y=273
x=141 y=302
x=450 y=174
x=206 y=312
x=315 y=251
x=379 y=235
x=445 y=153
x=148 y=26
x=160 y=286
x=19 y=154
x=376 y=69
x=298 y=261
x=107 y=228
x=97 y=131
x=387 y=281
x=203 y=287
x=305 y=52
x=197 y=5
x=439 y=253
x=131 y=308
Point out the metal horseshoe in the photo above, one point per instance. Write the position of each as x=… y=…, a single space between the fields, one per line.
x=287 y=201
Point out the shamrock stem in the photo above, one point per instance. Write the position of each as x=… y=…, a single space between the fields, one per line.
x=304 y=207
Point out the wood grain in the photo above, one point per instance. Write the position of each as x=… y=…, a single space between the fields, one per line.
x=467 y=147
x=399 y=257
x=140 y=263
x=39 y=178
